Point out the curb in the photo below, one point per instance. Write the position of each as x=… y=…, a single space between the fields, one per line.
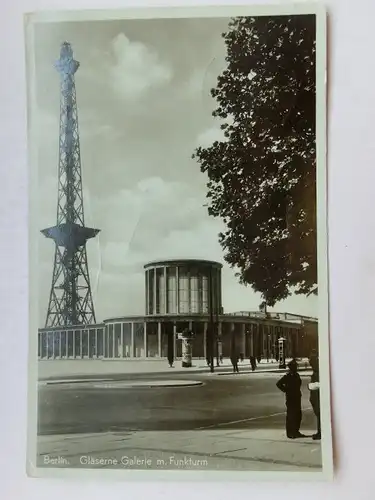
x=205 y=371
x=160 y=384
x=256 y=372
x=72 y=381
x=118 y=384
x=149 y=385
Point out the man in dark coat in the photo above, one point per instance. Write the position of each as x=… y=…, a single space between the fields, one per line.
x=290 y=384
x=234 y=356
x=234 y=361
x=314 y=393
x=253 y=363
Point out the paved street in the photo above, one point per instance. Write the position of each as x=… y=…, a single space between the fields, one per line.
x=227 y=422
x=221 y=400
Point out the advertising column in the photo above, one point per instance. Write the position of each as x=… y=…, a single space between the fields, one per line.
x=187 y=352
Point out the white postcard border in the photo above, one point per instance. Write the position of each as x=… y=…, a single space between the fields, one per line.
x=321 y=93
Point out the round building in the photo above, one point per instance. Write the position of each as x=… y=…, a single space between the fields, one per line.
x=178 y=287
x=182 y=295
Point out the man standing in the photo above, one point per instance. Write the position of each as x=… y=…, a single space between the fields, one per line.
x=253 y=363
x=314 y=387
x=234 y=356
x=290 y=384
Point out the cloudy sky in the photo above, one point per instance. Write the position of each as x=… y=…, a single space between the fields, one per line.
x=144 y=106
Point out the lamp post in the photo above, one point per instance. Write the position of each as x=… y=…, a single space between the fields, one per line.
x=211 y=329
x=263 y=309
x=216 y=320
x=281 y=343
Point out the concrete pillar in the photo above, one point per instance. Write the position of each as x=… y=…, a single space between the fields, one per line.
x=159 y=339
x=243 y=333
x=60 y=342
x=252 y=333
x=122 y=340
x=80 y=343
x=47 y=344
x=165 y=291
x=154 y=311
x=132 y=346
x=220 y=329
x=66 y=344
x=109 y=354
x=188 y=292
x=177 y=291
x=146 y=292
x=74 y=343
x=113 y=341
x=270 y=335
x=145 y=339
x=86 y=335
x=205 y=339
x=275 y=337
x=57 y=345
x=220 y=340
x=118 y=342
x=190 y=325
x=96 y=343
x=174 y=340
x=234 y=347
x=53 y=344
x=200 y=294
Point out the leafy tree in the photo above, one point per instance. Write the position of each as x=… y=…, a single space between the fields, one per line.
x=261 y=177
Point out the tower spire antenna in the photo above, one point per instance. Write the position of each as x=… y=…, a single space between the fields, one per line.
x=70 y=301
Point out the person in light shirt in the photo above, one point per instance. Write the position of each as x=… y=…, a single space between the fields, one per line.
x=314 y=387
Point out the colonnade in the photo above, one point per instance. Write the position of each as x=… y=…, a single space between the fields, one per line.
x=153 y=339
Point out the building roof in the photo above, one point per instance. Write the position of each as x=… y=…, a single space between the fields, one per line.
x=169 y=262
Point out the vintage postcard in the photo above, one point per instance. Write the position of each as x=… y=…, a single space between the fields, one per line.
x=178 y=243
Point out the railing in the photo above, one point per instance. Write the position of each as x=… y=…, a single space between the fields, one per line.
x=273 y=315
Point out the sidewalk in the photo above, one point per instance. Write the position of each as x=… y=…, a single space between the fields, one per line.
x=61 y=368
x=250 y=449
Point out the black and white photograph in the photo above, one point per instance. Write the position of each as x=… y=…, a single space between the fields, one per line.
x=178 y=290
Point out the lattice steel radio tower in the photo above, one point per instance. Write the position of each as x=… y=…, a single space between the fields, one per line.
x=70 y=300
